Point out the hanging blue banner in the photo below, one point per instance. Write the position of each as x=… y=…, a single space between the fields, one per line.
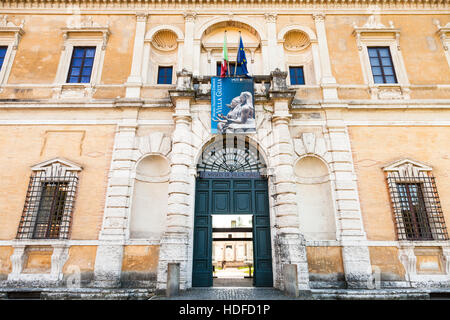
x=232 y=108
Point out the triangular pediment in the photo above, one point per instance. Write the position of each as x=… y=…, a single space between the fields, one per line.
x=57 y=162
x=400 y=165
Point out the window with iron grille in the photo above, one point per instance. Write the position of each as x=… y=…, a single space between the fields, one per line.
x=381 y=64
x=48 y=205
x=81 y=65
x=165 y=75
x=417 y=208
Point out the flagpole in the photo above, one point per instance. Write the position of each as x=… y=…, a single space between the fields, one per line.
x=228 y=63
x=237 y=54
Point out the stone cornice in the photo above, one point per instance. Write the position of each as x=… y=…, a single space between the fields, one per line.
x=129 y=5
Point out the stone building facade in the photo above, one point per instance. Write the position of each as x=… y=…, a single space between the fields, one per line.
x=356 y=168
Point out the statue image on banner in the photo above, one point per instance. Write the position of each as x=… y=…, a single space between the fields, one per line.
x=232 y=108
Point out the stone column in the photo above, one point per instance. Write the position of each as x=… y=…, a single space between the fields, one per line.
x=175 y=241
x=189 y=49
x=355 y=253
x=108 y=262
x=327 y=82
x=134 y=81
x=289 y=243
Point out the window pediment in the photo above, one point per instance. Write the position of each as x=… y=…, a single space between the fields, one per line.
x=86 y=29
x=9 y=30
x=407 y=167
x=56 y=167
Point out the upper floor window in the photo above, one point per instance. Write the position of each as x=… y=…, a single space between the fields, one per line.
x=81 y=65
x=3 y=50
x=296 y=75
x=49 y=201
x=165 y=75
x=10 y=35
x=415 y=200
x=381 y=64
x=230 y=71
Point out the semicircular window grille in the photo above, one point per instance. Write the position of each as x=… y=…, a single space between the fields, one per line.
x=231 y=155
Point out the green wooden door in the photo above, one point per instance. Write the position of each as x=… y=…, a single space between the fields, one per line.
x=231 y=196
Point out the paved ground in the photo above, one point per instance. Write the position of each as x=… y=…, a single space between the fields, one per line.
x=229 y=293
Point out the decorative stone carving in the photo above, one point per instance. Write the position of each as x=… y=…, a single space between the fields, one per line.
x=320 y=16
x=373 y=28
x=446 y=255
x=444 y=33
x=9 y=27
x=309 y=143
x=270 y=17
x=408 y=259
x=165 y=40
x=408 y=168
x=155 y=143
x=296 y=40
x=190 y=16
x=56 y=167
x=84 y=26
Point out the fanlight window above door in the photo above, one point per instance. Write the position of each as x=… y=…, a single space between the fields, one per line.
x=231 y=155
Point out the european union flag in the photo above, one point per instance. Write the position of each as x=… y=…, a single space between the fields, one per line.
x=241 y=60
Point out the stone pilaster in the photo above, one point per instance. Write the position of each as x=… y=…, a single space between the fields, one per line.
x=175 y=242
x=108 y=262
x=189 y=49
x=327 y=81
x=271 y=23
x=355 y=252
x=289 y=243
x=134 y=81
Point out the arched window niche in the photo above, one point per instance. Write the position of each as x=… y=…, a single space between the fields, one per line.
x=150 y=198
x=315 y=202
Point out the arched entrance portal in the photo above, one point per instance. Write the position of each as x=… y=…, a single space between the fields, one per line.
x=231 y=183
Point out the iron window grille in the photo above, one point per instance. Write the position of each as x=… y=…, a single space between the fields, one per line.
x=81 y=65
x=381 y=64
x=296 y=75
x=417 y=208
x=48 y=206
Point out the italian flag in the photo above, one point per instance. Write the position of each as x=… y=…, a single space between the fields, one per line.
x=224 y=66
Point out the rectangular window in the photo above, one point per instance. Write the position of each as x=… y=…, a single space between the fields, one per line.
x=417 y=208
x=231 y=68
x=296 y=75
x=414 y=212
x=51 y=210
x=47 y=212
x=81 y=65
x=3 y=50
x=381 y=64
x=164 y=75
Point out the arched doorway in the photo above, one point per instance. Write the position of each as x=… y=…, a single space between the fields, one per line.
x=232 y=182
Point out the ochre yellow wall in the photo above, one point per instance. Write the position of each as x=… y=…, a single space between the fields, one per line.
x=429 y=145
x=24 y=146
x=82 y=257
x=36 y=61
x=38 y=259
x=414 y=30
x=387 y=261
x=5 y=262
x=140 y=258
x=325 y=260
